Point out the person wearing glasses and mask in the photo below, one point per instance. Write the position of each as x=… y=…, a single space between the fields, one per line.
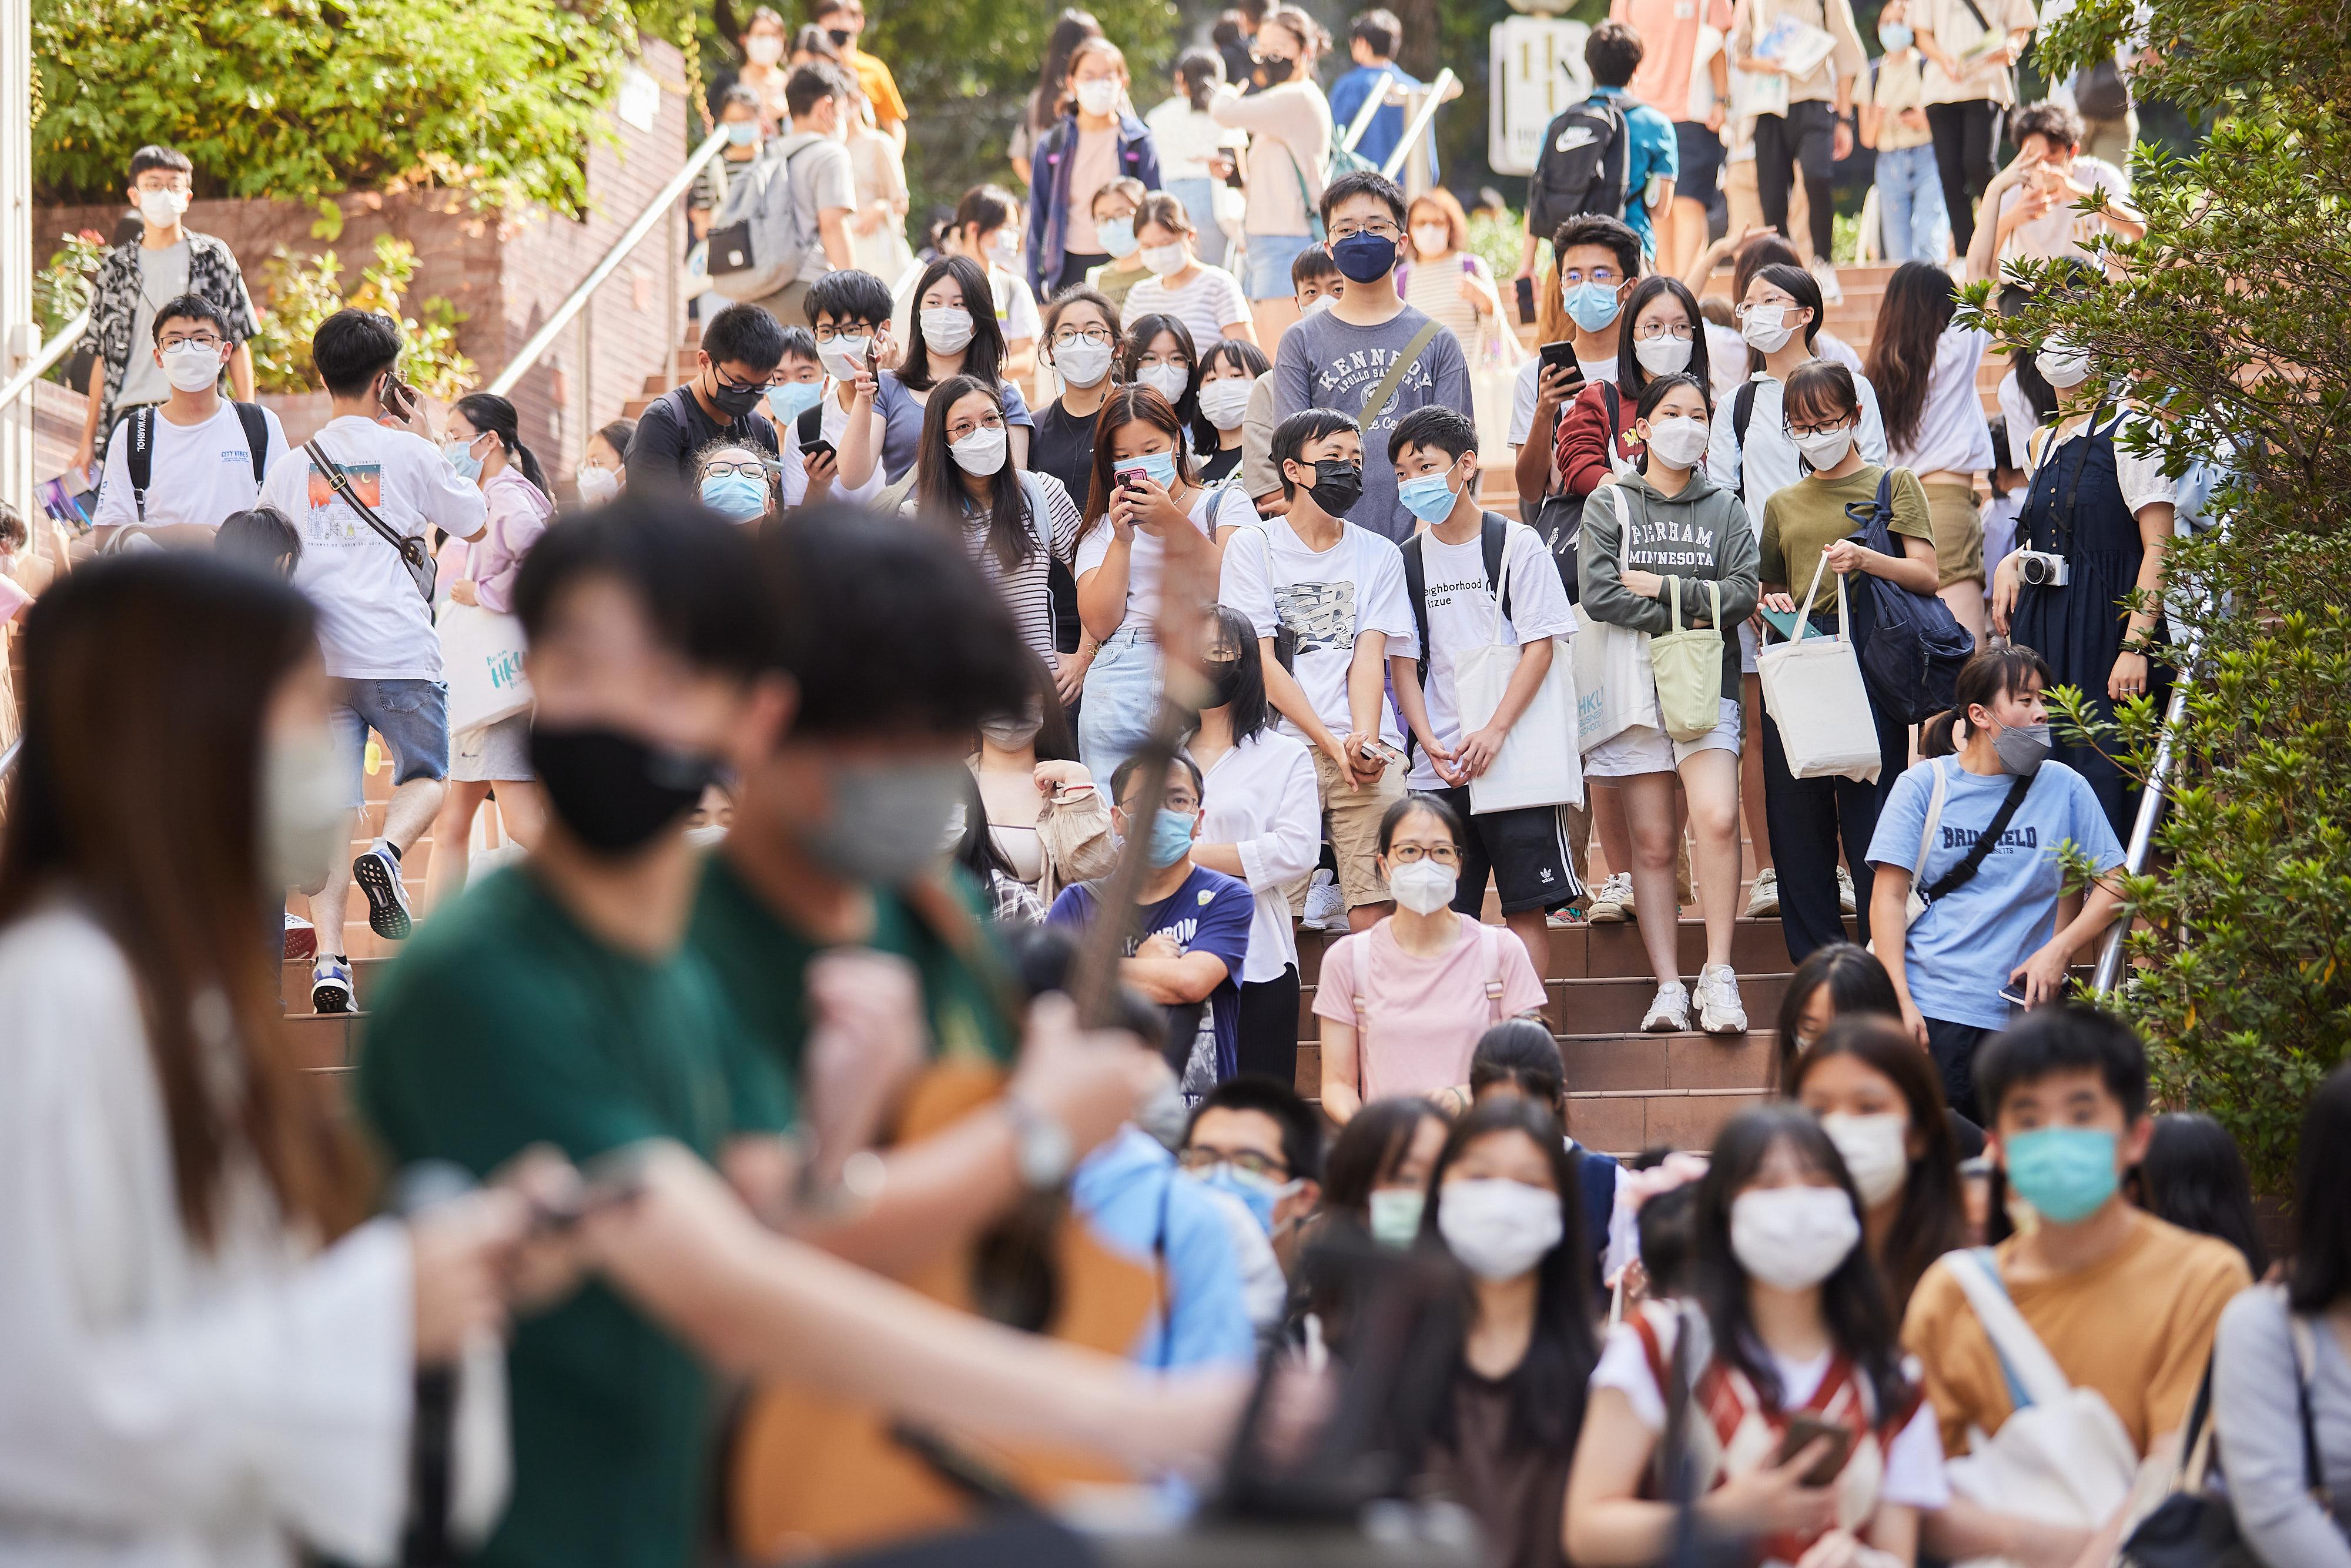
x=1258 y=1146
x=734 y=480
x=201 y=465
x=740 y=350
x=1082 y=344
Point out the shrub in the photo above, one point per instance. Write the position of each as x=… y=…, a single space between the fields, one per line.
x=298 y=292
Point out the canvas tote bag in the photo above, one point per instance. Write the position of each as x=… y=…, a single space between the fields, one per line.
x=1688 y=665
x=1614 y=685
x=1539 y=763
x=1812 y=690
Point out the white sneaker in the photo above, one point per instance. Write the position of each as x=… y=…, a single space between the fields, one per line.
x=1325 y=910
x=1763 y=898
x=1845 y=891
x=1669 y=1012
x=1718 y=1008
x=1825 y=274
x=1613 y=905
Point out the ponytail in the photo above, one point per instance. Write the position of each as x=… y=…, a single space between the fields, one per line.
x=494 y=415
x=1987 y=677
x=1941 y=734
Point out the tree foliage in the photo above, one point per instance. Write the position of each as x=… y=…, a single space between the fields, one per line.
x=298 y=292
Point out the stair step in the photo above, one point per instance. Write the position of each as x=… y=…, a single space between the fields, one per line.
x=322 y=1040
x=1615 y=951
x=1606 y=1005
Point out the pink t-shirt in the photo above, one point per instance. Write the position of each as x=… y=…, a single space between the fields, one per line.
x=12 y=598
x=1668 y=30
x=1420 y=1019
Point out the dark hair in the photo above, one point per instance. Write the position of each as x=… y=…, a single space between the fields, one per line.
x=692 y=571
x=850 y=295
x=1522 y=1053
x=1300 y=1124
x=1820 y=389
x=1298 y=22
x=1763 y=250
x=263 y=538
x=1655 y=393
x=1292 y=435
x=1918 y=305
x=2062 y=1036
x=1857 y=983
x=1611 y=52
x=976 y=851
x=1598 y=228
x=154 y=157
x=1995 y=427
x=1664 y=1224
x=1073 y=28
x=1311 y=265
x=1933 y=1218
x=1410 y=804
x=148 y=679
x=1248 y=713
x=1240 y=351
x=617 y=435
x=834 y=573
x=1378 y=30
x=985 y=357
x=1989 y=675
x=1159 y=207
x=1227 y=31
x=1124 y=775
x=2055 y=123
x=2193 y=1176
x=939 y=488
x=985 y=207
x=767 y=14
x=799 y=343
x=1798 y=285
x=1124 y=406
x=351 y=347
x=743 y=334
x=1548 y=1385
x=12 y=530
x=1448 y=430
x=1362 y=183
x=1081 y=294
x=1201 y=71
x=1853 y=1299
x=740 y=97
x=811 y=85
x=1632 y=377
x=2322 y=1220
x=770 y=477
x=192 y=308
x=1369 y=1148
x=813 y=39
x=491 y=415
x=1053 y=741
x=1144 y=331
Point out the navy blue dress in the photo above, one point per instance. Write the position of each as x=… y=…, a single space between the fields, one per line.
x=2075 y=509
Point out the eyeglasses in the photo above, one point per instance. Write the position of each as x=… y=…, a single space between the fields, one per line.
x=1779 y=301
x=1408 y=854
x=1257 y=58
x=1815 y=427
x=1199 y=1161
x=1652 y=331
x=846 y=329
x=1070 y=335
x=961 y=428
x=748 y=468
x=725 y=385
x=171 y=340
x=1606 y=275
x=1379 y=227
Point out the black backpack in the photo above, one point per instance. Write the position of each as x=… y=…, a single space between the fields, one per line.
x=1559 y=519
x=1585 y=161
x=1910 y=646
x=142 y=458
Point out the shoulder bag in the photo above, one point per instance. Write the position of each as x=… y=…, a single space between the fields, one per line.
x=413 y=556
x=1615 y=689
x=1688 y=663
x=1910 y=644
x=1540 y=763
x=1559 y=518
x=1959 y=875
x=481 y=660
x=1383 y=395
x=1812 y=690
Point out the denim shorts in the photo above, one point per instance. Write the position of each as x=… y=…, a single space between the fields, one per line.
x=1269 y=257
x=412 y=718
x=1122 y=694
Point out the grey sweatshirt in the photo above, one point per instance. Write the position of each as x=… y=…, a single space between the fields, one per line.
x=1698 y=536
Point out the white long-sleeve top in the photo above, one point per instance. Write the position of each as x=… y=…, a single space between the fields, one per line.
x=162 y=1406
x=1261 y=795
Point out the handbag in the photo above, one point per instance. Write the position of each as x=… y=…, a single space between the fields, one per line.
x=1910 y=644
x=481 y=660
x=1812 y=690
x=1614 y=686
x=1688 y=663
x=1540 y=763
x=417 y=561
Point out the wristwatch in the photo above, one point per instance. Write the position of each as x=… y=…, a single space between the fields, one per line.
x=1041 y=1150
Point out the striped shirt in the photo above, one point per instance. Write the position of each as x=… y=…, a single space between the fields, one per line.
x=1027 y=587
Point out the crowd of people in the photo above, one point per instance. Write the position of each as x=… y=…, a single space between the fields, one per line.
x=764 y=1026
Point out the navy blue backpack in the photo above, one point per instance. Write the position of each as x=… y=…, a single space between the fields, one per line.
x=1910 y=644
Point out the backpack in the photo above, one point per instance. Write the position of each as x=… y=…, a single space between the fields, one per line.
x=1559 y=519
x=142 y=447
x=1743 y=415
x=757 y=238
x=1910 y=645
x=1583 y=166
x=1493 y=532
x=2101 y=93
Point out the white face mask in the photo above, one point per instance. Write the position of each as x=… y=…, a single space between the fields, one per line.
x=1825 y=448
x=947 y=329
x=1765 y=326
x=1099 y=97
x=1224 y=403
x=1792 y=1236
x=1876 y=1150
x=1083 y=364
x=1003 y=252
x=763 y=48
x=1662 y=356
x=162 y=209
x=1320 y=303
x=597 y=485
x=980 y=453
x=1678 y=441
x=1424 y=886
x=1497 y=1228
x=1432 y=239
x=1163 y=259
x=191 y=367
x=844 y=358
x=1167 y=381
x=2062 y=365
x=305 y=799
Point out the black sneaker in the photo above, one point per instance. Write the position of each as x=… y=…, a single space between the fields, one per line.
x=331 y=985
x=378 y=876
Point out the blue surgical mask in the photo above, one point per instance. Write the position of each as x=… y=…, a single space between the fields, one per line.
x=2064 y=1173
x=1395 y=1214
x=1431 y=497
x=794 y=398
x=461 y=457
x=1895 y=34
x=1171 y=837
x=1592 y=306
x=1159 y=467
x=1116 y=237
x=1260 y=1194
x=742 y=132
x=737 y=496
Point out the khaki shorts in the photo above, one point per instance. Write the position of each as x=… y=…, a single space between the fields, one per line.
x=1958 y=532
x=1352 y=816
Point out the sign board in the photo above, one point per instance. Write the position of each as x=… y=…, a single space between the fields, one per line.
x=1536 y=69
x=639 y=103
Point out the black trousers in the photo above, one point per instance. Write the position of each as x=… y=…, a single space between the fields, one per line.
x=1967 y=155
x=1953 y=1047
x=1807 y=138
x=1269 y=1027
x=1807 y=818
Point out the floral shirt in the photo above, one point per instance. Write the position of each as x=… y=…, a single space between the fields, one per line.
x=213 y=272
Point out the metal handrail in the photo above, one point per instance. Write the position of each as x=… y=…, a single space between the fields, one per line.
x=53 y=350
x=1373 y=104
x=1412 y=132
x=634 y=235
x=2110 y=972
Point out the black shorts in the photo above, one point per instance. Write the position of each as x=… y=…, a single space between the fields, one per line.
x=1954 y=1045
x=1701 y=152
x=1524 y=850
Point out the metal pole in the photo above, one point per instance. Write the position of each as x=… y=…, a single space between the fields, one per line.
x=20 y=335
x=53 y=350
x=655 y=210
x=1362 y=121
x=2110 y=972
x=1418 y=126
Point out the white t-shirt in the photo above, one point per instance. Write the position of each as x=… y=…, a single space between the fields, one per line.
x=1207 y=306
x=373 y=624
x=199 y=474
x=1329 y=599
x=1523 y=392
x=1187 y=138
x=1952 y=432
x=1262 y=797
x=1224 y=506
x=1016 y=307
x=1726 y=356
x=2064 y=231
x=1769 y=460
x=835 y=426
x=1461 y=617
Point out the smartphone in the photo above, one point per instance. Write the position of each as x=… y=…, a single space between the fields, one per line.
x=1562 y=356
x=2008 y=996
x=398 y=399
x=1233 y=174
x=1526 y=291
x=1380 y=753
x=812 y=450
x=1804 y=1429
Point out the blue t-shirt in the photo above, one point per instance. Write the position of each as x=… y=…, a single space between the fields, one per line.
x=1386 y=129
x=1210 y=913
x=902 y=414
x=1130 y=1192
x=1656 y=154
x=1962 y=950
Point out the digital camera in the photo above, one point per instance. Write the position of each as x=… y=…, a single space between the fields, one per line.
x=2042 y=569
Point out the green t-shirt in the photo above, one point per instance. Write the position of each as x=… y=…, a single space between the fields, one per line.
x=504 y=1024
x=762 y=967
x=1809 y=515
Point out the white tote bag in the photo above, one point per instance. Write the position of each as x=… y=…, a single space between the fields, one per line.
x=1539 y=763
x=1812 y=690
x=1614 y=686
x=481 y=659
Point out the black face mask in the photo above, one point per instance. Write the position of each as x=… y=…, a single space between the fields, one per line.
x=1338 y=485
x=840 y=36
x=1224 y=680
x=614 y=791
x=1275 y=71
x=734 y=401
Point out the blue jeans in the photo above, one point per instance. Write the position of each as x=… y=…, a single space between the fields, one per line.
x=412 y=718
x=1122 y=692
x=1910 y=204
x=1200 y=200
x=1269 y=257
